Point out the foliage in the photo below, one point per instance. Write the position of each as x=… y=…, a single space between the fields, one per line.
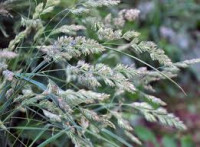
x=58 y=73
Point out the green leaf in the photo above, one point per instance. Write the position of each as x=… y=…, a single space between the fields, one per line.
x=145 y=134
x=186 y=141
x=117 y=137
x=38 y=84
x=169 y=141
x=40 y=134
x=53 y=138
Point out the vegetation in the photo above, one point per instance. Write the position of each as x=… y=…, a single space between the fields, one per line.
x=65 y=81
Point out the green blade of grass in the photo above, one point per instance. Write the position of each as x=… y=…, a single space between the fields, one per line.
x=51 y=139
x=117 y=137
x=38 y=84
x=39 y=135
x=102 y=138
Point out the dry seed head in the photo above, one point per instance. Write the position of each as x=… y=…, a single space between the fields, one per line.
x=8 y=75
x=7 y=54
x=132 y=14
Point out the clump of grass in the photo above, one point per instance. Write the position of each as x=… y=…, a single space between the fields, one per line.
x=63 y=85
